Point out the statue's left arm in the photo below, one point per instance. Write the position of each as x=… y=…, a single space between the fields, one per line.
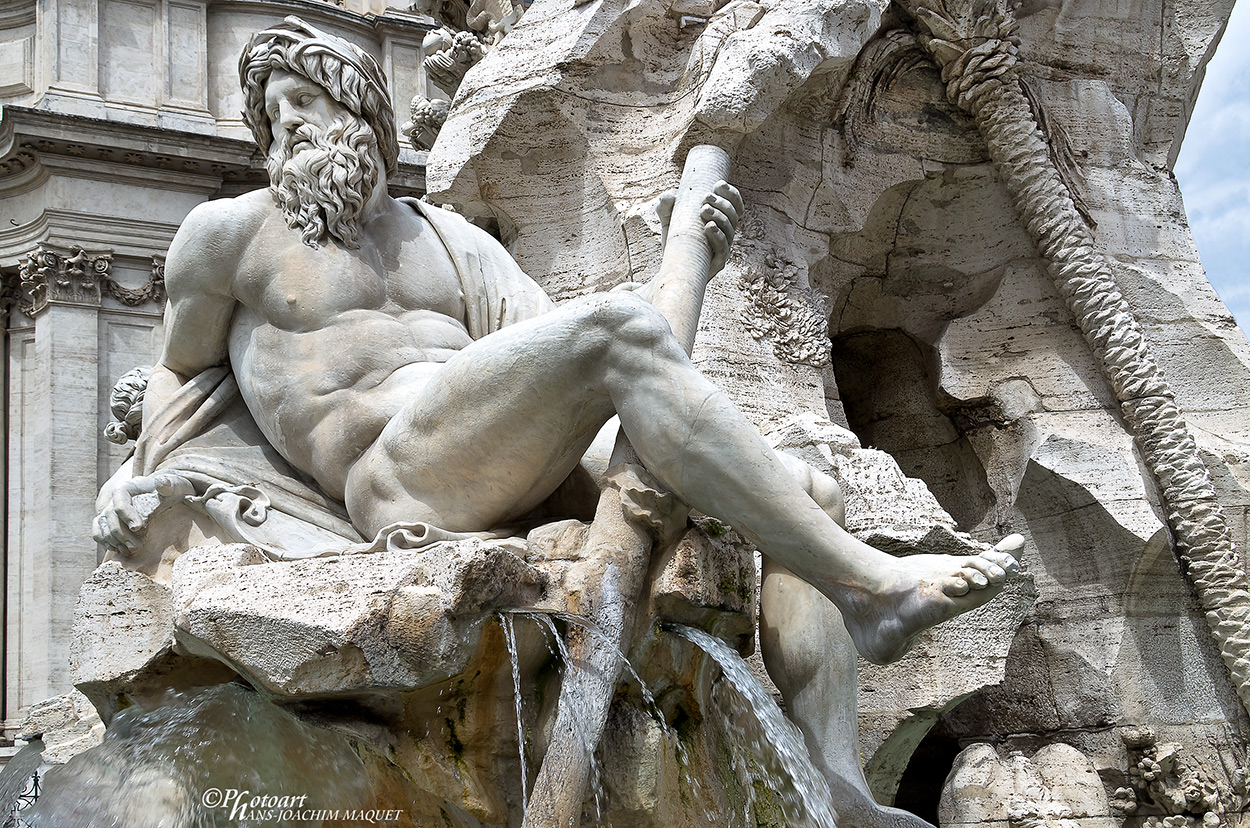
x=199 y=270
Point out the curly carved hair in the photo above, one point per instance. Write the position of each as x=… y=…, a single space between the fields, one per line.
x=348 y=73
x=126 y=405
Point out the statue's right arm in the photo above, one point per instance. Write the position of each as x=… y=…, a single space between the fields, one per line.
x=199 y=274
x=200 y=270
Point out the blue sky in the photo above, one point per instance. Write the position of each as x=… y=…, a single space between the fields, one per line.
x=1214 y=168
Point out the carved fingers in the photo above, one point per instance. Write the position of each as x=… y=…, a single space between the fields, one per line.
x=726 y=198
x=111 y=529
x=120 y=527
x=721 y=212
x=665 y=211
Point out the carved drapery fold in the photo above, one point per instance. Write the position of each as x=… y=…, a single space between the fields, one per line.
x=975 y=47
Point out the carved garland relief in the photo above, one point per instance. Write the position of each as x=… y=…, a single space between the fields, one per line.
x=74 y=276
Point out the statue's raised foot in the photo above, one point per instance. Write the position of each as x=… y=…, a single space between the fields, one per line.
x=924 y=590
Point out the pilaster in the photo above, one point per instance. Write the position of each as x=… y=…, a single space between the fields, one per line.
x=53 y=406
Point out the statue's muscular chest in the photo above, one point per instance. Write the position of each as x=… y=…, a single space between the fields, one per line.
x=298 y=288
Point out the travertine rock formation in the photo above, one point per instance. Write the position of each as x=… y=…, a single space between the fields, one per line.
x=888 y=278
x=420 y=675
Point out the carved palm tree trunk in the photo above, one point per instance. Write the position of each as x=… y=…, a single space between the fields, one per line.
x=975 y=46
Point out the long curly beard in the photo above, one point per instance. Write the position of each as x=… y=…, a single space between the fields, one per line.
x=322 y=189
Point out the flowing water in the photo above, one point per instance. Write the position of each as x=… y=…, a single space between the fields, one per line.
x=558 y=649
x=509 y=632
x=220 y=758
x=768 y=737
x=547 y=620
x=770 y=752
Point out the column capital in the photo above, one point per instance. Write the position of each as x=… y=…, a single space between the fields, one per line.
x=52 y=274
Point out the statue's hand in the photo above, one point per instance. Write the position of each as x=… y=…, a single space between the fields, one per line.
x=120 y=527
x=722 y=209
x=665 y=211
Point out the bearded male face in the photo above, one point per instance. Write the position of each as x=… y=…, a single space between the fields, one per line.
x=319 y=108
x=323 y=162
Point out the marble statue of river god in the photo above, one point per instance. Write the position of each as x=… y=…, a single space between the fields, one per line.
x=374 y=368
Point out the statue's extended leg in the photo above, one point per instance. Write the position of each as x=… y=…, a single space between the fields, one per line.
x=497 y=428
x=811 y=659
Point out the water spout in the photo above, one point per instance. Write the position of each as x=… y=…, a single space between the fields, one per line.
x=546 y=620
x=509 y=633
x=807 y=800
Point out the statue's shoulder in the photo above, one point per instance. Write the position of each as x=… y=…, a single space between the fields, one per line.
x=215 y=237
x=228 y=222
x=454 y=228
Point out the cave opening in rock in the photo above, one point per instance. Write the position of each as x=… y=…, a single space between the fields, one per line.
x=888 y=383
x=920 y=787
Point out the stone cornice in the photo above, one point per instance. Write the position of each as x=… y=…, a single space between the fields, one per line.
x=394 y=19
x=315 y=10
x=14 y=13
x=25 y=131
x=27 y=135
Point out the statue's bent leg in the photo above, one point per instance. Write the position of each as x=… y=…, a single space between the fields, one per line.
x=811 y=659
x=494 y=431
x=499 y=426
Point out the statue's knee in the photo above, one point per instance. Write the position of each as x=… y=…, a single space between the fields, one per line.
x=626 y=319
x=819 y=486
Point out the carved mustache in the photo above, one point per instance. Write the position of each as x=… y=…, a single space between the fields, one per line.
x=303 y=134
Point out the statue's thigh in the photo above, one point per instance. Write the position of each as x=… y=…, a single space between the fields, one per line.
x=489 y=436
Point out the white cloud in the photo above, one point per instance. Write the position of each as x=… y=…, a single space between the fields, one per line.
x=1214 y=168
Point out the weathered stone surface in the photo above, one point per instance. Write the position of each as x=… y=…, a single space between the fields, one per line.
x=124 y=623
x=67 y=725
x=425 y=654
x=388 y=621
x=124 y=649
x=1057 y=787
x=707 y=579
